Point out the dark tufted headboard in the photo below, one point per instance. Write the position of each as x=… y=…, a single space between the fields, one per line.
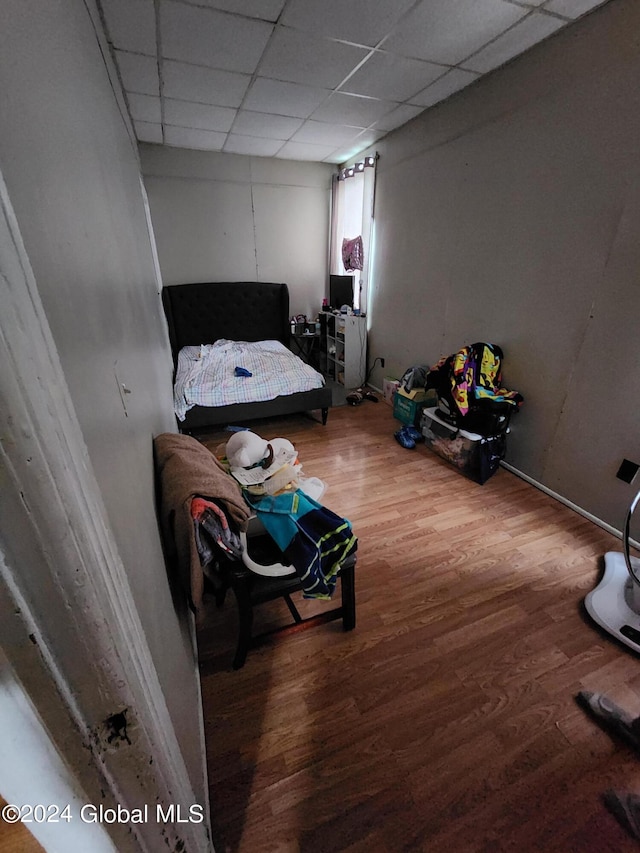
x=202 y=313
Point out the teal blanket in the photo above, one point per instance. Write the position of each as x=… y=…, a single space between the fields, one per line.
x=312 y=538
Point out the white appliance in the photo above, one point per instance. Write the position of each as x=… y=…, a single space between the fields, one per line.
x=615 y=602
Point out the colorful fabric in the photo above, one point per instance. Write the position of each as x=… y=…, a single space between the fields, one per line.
x=212 y=529
x=313 y=539
x=353 y=254
x=188 y=470
x=206 y=374
x=473 y=374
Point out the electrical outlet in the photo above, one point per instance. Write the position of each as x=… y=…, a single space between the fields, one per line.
x=382 y=362
x=627 y=471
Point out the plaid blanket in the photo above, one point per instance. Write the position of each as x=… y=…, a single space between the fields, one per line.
x=207 y=375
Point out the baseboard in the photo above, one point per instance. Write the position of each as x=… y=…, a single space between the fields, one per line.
x=570 y=504
x=583 y=512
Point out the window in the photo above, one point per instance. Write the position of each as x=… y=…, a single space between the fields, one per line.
x=352 y=226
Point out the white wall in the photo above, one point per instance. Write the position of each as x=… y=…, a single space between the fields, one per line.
x=226 y=217
x=33 y=773
x=73 y=176
x=511 y=214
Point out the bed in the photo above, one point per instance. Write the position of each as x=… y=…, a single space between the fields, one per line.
x=206 y=313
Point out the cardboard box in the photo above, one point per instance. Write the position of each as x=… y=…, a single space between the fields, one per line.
x=406 y=410
x=421 y=395
x=389 y=388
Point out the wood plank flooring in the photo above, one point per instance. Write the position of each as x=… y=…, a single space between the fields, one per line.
x=446 y=720
x=16 y=838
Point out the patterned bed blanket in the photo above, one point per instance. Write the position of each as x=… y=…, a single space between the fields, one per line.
x=207 y=375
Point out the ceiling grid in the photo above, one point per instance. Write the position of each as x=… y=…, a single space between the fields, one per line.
x=318 y=80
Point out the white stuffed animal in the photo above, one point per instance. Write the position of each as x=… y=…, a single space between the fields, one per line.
x=263 y=467
x=245 y=449
x=275 y=465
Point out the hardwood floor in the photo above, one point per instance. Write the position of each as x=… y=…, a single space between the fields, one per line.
x=16 y=838
x=446 y=720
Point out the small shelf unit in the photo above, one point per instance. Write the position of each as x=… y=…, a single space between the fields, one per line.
x=343 y=351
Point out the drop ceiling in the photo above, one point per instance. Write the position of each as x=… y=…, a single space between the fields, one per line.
x=314 y=80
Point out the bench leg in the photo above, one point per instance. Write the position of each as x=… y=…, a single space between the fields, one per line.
x=348 y=588
x=325 y=415
x=293 y=610
x=245 y=621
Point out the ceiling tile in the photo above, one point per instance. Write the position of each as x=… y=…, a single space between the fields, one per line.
x=344 y=155
x=305 y=79
x=352 y=109
x=370 y=136
x=303 y=58
x=266 y=10
x=144 y=108
x=209 y=37
x=200 y=116
x=287 y=99
x=447 y=31
x=139 y=73
x=525 y=34
x=131 y=25
x=573 y=8
x=252 y=145
x=401 y=115
x=348 y=153
x=262 y=124
x=148 y=132
x=186 y=137
x=303 y=151
x=319 y=133
x=449 y=83
x=360 y=21
x=204 y=85
x=392 y=78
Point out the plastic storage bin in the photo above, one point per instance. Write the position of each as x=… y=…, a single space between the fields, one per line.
x=476 y=456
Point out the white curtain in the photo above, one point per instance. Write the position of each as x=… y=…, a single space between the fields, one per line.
x=352 y=217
